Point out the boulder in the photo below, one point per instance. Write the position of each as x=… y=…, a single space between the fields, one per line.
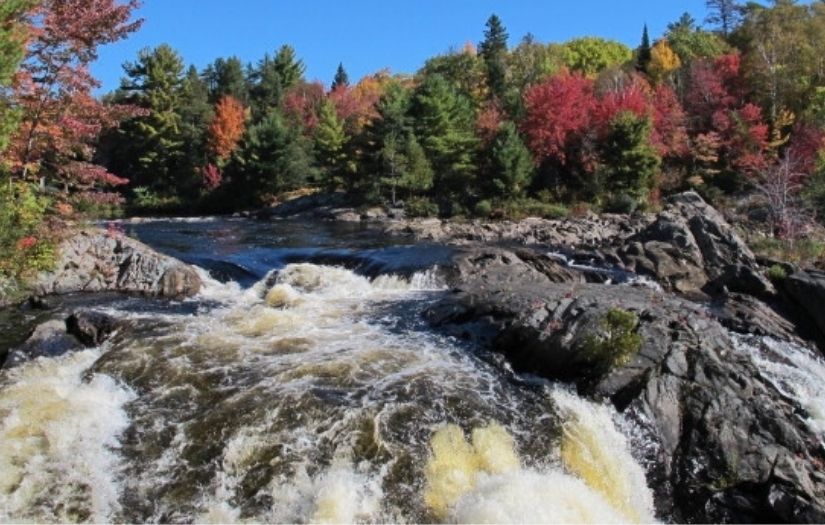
x=691 y=249
x=491 y=266
x=48 y=339
x=807 y=290
x=91 y=328
x=94 y=260
x=722 y=443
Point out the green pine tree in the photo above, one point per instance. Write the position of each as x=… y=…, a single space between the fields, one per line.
x=225 y=76
x=273 y=157
x=643 y=55
x=629 y=161
x=445 y=127
x=152 y=146
x=493 y=50
x=330 y=143
x=384 y=137
x=195 y=114
x=512 y=164
x=289 y=68
x=341 y=78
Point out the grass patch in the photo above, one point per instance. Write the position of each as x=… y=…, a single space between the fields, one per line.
x=806 y=252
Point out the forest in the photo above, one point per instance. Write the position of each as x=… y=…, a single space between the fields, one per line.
x=732 y=106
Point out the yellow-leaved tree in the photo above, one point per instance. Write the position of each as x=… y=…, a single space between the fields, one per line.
x=663 y=61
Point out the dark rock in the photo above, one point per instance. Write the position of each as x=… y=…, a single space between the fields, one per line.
x=747 y=315
x=807 y=290
x=48 y=339
x=37 y=303
x=91 y=328
x=93 y=261
x=730 y=446
x=691 y=249
x=490 y=266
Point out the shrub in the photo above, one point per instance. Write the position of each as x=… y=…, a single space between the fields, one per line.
x=420 y=207
x=26 y=243
x=516 y=209
x=621 y=203
x=147 y=201
x=777 y=273
x=484 y=208
x=801 y=251
x=617 y=342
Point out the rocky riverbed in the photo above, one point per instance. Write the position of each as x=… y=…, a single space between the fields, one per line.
x=714 y=370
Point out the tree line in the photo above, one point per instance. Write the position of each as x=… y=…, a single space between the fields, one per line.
x=733 y=104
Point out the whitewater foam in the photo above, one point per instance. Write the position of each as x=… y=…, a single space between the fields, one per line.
x=59 y=434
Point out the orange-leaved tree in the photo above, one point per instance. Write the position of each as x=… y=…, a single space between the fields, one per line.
x=227 y=127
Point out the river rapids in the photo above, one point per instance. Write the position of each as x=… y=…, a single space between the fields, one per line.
x=311 y=393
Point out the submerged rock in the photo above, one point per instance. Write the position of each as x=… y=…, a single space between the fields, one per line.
x=53 y=338
x=91 y=328
x=93 y=260
x=48 y=339
x=729 y=445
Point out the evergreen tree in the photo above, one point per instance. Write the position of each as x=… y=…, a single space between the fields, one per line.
x=341 y=78
x=512 y=165
x=385 y=141
x=152 y=145
x=289 y=68
x=493 y=50
x=643 y=53
x=445 y=126
x=273 y=157
x=195 y=114
x=225 y=77
x=330 y=140
x=267 y=88
x=629 y=161
x=417 y=172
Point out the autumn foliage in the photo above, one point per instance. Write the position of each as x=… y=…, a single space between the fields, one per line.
x=226 y=128
x=61 y=119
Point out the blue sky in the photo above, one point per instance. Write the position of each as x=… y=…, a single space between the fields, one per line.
x=368 y=35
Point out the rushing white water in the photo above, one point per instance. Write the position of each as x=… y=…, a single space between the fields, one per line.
x=58 y=459
x=317 y=395
x=624 y=278
x=484 y=481
x=795 y=371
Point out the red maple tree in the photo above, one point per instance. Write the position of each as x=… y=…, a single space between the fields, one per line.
x=53 y=90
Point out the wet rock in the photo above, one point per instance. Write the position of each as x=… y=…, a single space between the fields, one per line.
x=690 y=248
x=48 y=339
x=91 y=328
x=729 y=447
x=807 y=290
x=93 y=260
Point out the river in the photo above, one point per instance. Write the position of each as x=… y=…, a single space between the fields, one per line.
x=300 y=385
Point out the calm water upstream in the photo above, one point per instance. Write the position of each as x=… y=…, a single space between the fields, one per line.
x=301 y=385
